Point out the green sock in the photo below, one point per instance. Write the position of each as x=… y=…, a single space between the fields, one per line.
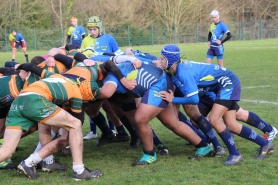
x=1 y=141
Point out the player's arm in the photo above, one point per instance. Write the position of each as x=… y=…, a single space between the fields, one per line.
x=7 y=71
x=33 y=68
x=228 y=36
x=68 y=39
x=110 y=66
x=125 y=58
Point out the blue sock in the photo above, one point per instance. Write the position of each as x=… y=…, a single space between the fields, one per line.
x=228 y=139
x=156 y=140
x=121 y=130
x=129 y=127
x=100 y=121
x=206 y=128
x=255 y=121
x=183 y=119
x=111 y=125
x=251 y=135
x=93 y=127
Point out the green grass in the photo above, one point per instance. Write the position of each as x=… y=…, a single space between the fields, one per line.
x=255 y=62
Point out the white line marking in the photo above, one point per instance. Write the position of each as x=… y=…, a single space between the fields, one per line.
x=259 y=86
x=260 y=101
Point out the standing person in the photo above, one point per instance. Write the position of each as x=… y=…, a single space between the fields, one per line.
x=215 y=43
x=101 y=42
x=75 y=33
x=16 y=39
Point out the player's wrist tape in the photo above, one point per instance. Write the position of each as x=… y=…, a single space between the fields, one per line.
x=122 y=58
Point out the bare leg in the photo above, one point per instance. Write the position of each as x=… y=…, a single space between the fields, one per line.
x=10 y=142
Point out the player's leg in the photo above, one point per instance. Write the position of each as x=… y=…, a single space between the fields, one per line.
x=247 y=133
x=193 y=112
x=169 y=118
x=219 y=51
x=254 y=120
x=143 y=115
x=215 y=118
x=24 y=49
x=210 y=55
x=121 y=133
x=10 y=142
x=92 y=110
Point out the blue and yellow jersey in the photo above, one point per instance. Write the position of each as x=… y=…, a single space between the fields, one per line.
x=17 y=38
x=145 y=76
x=104 y=43
x=217 y=31
x=59 y=90
x=10 y=87
x=76 y=34
x=192 y=77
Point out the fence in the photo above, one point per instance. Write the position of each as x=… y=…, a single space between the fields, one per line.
x=126 y=35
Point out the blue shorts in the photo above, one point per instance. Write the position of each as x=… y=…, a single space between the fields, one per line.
x=20 y=44
x=215 y=51
x=152 y=97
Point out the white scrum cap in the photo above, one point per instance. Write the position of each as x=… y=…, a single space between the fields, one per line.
x=214 y=13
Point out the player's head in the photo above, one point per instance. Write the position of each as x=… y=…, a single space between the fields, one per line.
x=89 y=90
x=73 y=21
x=14 y=32
x=37 y=60
x=214 y=15
x=170 y=54
x=94 y=26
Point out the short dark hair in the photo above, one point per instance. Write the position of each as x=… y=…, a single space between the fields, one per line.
x=37 y=60
x=14 y=30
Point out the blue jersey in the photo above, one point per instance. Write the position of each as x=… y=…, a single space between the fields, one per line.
x=191 y=77
x=145 y=76
x=18 y=38
x=76 y=34
x=217 y=31
x=139 y=54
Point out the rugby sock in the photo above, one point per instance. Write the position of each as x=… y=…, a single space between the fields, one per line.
x=1 y=141
x=183 y=119
x=206 y=128
x=228 y=139
x=78 y=168
x=121 y=130
x=33 y=159
x=111 y=125
x=251 y=135
x=202 y=143
x=156 y=140
x=12 y=60
x=149 y=152
x=26 y=56
x=49 y=159
x=129 y=127
x=100 y=121
x=255 y=121
x=93 y=127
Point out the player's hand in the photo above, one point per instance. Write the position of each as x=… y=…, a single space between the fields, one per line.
x=167 y=96
x=50 y=61
x=218 y=42
x=157 y=63
x=137 y=63
x=129 y=84
x=16 y=66
x=88 y=62
x=13 y=48
x=208 y=43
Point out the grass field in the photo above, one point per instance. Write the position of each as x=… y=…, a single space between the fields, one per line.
x=255 y=62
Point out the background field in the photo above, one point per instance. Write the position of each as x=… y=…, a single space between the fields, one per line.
x=255 y=62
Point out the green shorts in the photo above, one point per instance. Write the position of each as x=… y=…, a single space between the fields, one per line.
x=29 y=109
